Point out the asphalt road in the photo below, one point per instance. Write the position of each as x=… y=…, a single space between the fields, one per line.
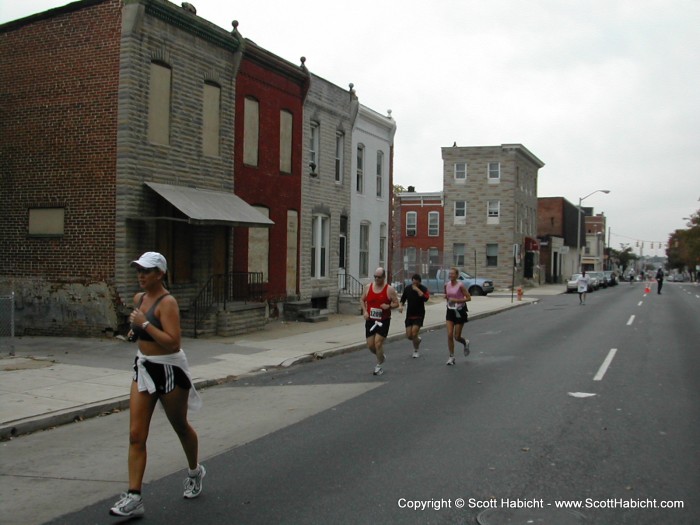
x=533 y=418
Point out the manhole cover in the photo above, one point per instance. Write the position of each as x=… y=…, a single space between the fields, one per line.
x=546 y=516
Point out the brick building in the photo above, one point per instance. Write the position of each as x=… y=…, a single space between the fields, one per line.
x=270 y=94
x=420 y=234
x=557 y=220
x=490 y=196
x=116 y=138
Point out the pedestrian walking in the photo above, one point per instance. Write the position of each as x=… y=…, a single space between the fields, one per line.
x=161 y=373
x=415 y=296
x=378 y=298
x=659 y=280
x=582 y=287
x=456 y=296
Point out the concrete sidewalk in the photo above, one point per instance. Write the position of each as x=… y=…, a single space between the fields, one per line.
x=52 y=380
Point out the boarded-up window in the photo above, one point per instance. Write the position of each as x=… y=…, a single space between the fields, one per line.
x=211 y=120
x=251 y=131
x=259 y=247
x=46 y=221
x=286 y=122
x=159 y=104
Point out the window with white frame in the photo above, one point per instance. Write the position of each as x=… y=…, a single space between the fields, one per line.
x=410 y=259
x=360 y=180
x=411 y=224
x=320 y=241
x=364 y=249
x=380 y=173
x=492 y=255
x=458 y=254
x=494 y=174
x=460 y=213
x=339 y=147
x=433 y=224
x=382 y=245
x=460 y=171
x=493 y=212
x=314 y=146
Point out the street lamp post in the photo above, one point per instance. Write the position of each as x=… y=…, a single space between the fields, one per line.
x=578 y=230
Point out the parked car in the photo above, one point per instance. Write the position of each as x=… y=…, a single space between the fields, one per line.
x=600 y=276
x=475 y=286
x=572 y=284
x=611 y=278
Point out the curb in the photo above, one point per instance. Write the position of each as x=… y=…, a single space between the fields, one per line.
x=45 y=422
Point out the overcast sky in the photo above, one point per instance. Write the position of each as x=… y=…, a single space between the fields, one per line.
x=605 y=92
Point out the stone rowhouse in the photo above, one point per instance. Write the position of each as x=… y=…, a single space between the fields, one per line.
x=270 y=94
x=491 y=211
x=421 y=233
x=117 y=138
x=557 y=220
x=329 y=115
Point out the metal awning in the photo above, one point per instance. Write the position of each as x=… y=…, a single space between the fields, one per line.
x=208 y=207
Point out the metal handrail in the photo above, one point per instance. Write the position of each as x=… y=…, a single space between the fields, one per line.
x=351 y=286
x=226 y=288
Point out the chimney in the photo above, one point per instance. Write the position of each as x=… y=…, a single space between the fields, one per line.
x=411 y=189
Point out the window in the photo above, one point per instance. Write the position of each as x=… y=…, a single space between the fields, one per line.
x=493 y=212
x=286 y=130
x=460 y=212
x=492 y=255
x=46 y=222
x=211 y=120
x=433 y=223
x=410 y=260
x=159 y=104
x=314 y=147
x=364 y=250
x=320 y=240
x=251 y=131
x=339 y=147
x=411 y=223
x=461 y=171
x=343 y=246
x=380 y=172
x=494 y=172
x=458 y=254
x=382 y=245
x=360 y=183
x=433 y=260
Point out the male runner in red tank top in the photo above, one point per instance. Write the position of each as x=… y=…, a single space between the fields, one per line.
x=378 y=299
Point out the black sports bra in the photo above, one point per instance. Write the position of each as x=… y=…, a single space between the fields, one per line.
x=139 y=332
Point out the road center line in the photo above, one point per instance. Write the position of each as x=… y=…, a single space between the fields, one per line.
x=604 y=367
x=630 y=321
x=640 y=303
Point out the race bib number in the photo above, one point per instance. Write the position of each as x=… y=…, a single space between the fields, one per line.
x=375 y=313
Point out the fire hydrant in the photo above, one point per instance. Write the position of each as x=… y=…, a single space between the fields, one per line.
x=520 y=293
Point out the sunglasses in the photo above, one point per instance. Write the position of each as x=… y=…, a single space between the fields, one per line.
x=379 y=277
x=145 y=270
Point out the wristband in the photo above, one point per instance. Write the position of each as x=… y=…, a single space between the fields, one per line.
x=145 y=325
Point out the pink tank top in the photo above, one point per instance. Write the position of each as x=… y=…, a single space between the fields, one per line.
x=454 y=291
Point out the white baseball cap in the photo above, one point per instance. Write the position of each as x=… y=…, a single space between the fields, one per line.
x=151 y=260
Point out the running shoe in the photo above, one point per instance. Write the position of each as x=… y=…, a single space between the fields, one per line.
x=451 y=361
x=378 y=370
x=415 y=354
x=128 y=505
x=193 y=484
x=466 y=347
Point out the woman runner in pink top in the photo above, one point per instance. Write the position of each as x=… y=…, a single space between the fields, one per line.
x=457 y=297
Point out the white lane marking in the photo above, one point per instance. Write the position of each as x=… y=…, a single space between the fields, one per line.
x=631 y=320
x=640 y=303
x=580 y=394
x=604 y=367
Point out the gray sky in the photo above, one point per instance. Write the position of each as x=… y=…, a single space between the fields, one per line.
x=605 y=92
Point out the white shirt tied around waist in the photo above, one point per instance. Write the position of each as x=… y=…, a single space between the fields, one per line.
x=178 y=359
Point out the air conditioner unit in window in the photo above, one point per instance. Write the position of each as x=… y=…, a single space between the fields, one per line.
x=410 y=234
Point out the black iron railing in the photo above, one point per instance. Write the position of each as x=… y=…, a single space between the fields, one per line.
x=222 y=289
x=349 y=286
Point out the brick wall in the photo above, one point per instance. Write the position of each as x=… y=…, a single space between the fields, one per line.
x=58 y=87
